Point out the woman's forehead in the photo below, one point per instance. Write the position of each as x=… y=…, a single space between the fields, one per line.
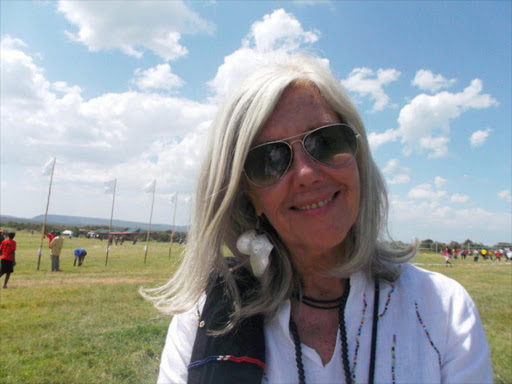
x=300 y=109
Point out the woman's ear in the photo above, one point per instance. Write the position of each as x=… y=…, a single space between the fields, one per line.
x=254 y=199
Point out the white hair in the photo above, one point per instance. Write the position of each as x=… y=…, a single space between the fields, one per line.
x=223 y=209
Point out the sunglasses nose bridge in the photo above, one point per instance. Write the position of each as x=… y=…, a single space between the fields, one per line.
x=304 y=158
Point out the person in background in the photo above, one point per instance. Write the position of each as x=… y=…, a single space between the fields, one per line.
x=8 y=257
x=55 y=249
x=50 y=236
x=447 y=257
x=80 y=254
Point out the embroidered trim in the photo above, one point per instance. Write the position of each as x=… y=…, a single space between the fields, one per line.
x=235 y=359
x=393 y=359
x=363 y=318
x=427 y=333
x=387 y=301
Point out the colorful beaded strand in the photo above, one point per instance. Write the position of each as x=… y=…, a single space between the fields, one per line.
x=363 y=318
x=387 y=301
x=393 y=359
x=427 y=333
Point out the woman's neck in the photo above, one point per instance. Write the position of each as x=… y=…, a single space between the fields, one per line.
x=314 y=269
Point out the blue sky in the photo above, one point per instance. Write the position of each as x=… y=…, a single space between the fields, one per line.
x=127 y=90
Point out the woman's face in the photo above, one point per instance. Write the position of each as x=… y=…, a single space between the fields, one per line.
x=291 y=205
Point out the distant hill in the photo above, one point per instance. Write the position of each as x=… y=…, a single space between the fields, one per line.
x=83 y=221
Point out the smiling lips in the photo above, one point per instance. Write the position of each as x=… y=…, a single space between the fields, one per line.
x=314 y=205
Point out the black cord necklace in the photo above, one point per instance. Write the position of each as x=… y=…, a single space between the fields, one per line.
x=341 y=304
x=319 y=304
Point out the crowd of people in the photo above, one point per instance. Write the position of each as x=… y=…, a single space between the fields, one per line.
x=486 y=254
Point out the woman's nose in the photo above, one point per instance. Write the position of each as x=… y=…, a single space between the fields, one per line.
x=305 y=169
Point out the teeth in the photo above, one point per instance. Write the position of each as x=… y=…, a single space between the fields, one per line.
x=314 y=205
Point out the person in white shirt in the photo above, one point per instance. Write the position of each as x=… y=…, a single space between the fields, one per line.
x=289 y=186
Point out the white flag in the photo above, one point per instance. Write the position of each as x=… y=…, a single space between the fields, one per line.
x=110 y=186
x=150 y=187
x=172 y=197
x=188 y=199
x=47 y=168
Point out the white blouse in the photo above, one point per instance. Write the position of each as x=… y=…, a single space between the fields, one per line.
x=429 y=331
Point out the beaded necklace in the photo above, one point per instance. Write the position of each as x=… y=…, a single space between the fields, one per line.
x=341 y=302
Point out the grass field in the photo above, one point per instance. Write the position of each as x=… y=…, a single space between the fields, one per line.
x=89 y=325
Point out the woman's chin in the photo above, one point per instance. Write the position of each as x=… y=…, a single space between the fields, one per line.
x=317 y=242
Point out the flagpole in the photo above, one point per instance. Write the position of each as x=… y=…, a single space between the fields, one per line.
x=110 y=225
x=149 y=227
x=40 y=252
x=173 y=222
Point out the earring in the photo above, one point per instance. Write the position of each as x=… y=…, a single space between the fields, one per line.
x=258 y=247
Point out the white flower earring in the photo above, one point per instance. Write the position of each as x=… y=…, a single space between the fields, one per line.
x=258 y=247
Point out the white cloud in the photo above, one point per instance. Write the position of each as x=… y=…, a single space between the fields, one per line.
x=92 y=136
x=365 y=82
x=439 y=182
x=459 y=198
x=478 y=138
x=377 y=139
x=63 y=87
x=395 y=173
x=427 y=81
x=279 y=30
x=424 y=123
x=269 y=39
x=436 y=145
x=23 y=83
x=505 y=195
x=425 y=219
x=159 y=77
x=426 y=192
x=153 y=25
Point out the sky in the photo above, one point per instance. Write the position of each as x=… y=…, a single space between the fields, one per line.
x=127 y=91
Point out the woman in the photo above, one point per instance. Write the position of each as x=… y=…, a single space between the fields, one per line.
x=290 y=188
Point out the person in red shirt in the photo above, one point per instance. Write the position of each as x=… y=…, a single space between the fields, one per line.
x=50 y=237
x=8 y=257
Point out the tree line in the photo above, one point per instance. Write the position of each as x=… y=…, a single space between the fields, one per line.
x=467 y=244
x=160 y=236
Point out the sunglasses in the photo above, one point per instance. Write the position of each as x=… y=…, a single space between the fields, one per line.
x=334 y=145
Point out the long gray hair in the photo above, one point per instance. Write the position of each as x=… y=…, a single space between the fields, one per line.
x=223 y=210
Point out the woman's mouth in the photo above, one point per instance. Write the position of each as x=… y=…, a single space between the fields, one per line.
x=318 y=204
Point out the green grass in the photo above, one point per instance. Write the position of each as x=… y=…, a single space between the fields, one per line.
x=86 y=324
x=89 y=324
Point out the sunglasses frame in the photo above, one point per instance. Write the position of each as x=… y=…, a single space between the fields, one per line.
x=290 y=145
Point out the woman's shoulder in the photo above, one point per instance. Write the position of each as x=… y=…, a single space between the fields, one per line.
x=421 y=284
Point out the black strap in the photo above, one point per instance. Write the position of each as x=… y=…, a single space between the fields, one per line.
x=343 y=335
x=248 y=340
x=371 y=374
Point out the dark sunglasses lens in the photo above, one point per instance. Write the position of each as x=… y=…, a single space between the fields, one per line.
x=266 y=164
x=333 y=145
